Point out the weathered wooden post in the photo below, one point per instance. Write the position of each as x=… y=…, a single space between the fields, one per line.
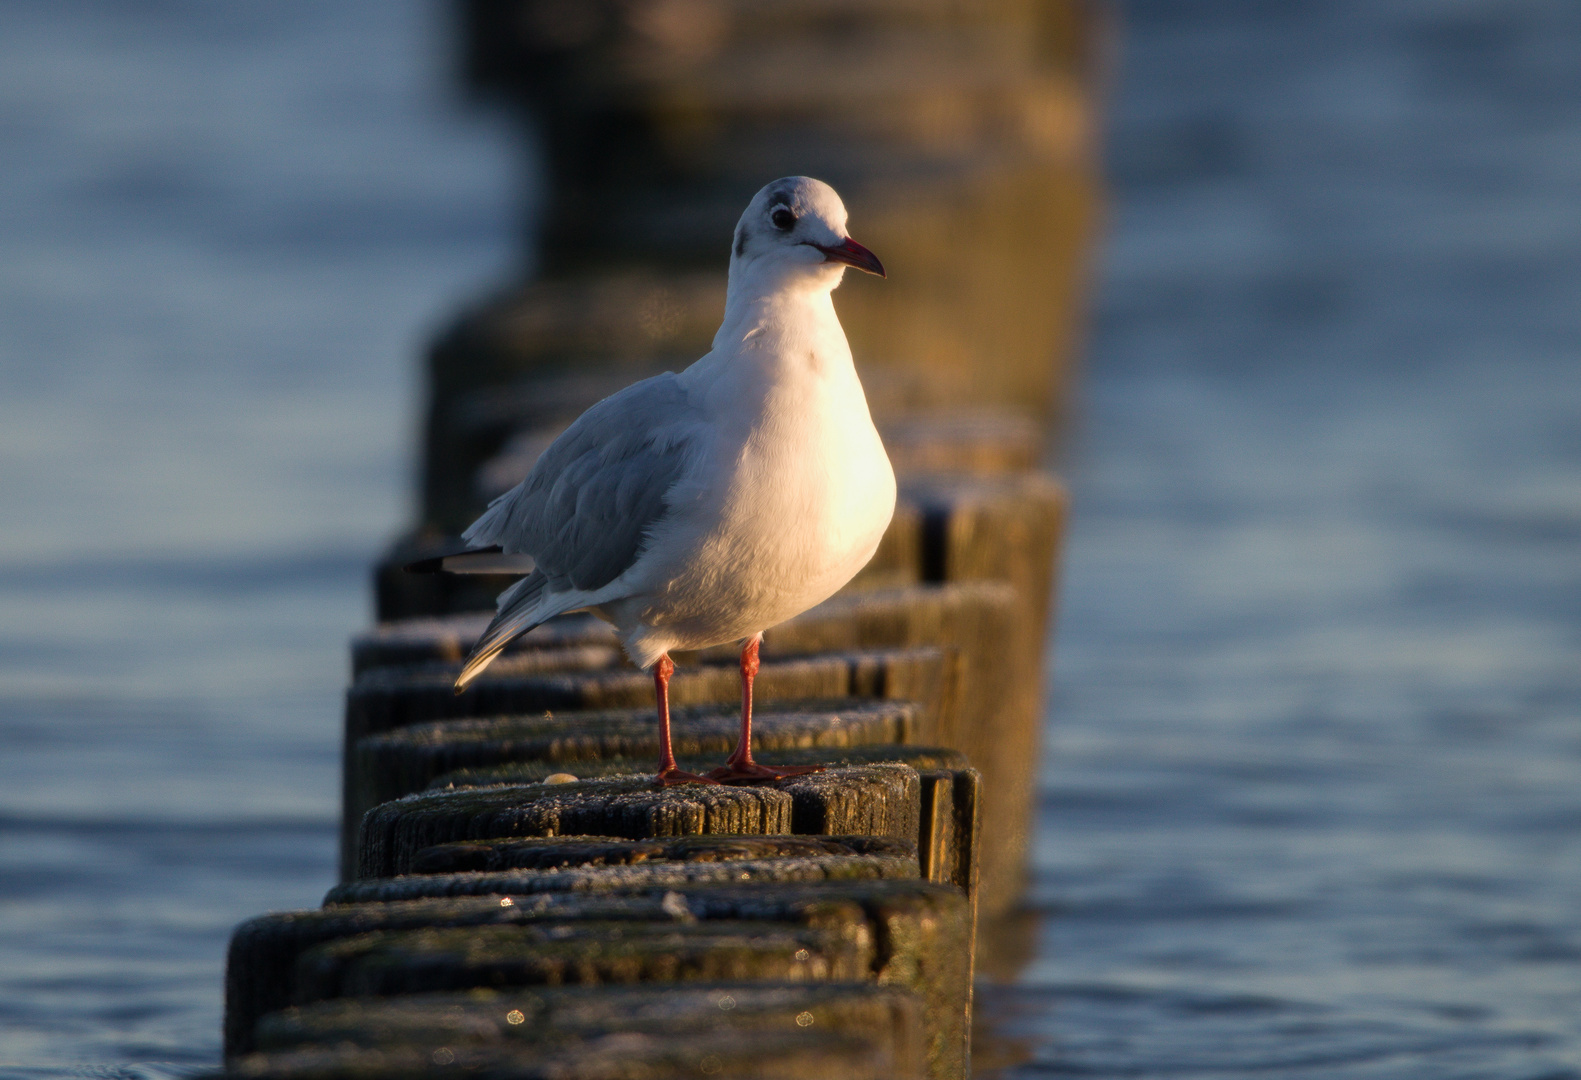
x=386 y=699
x=806 y=1028
x=900 y=933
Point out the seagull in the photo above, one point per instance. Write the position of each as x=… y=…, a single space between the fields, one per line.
x=694 y=509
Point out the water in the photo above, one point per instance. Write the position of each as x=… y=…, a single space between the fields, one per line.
x=225 y=230
x=1312 y=805
x=1313 y=788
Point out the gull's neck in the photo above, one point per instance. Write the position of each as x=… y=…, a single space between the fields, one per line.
x=764 y=299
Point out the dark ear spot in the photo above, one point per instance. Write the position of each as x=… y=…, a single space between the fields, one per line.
x=741 y=240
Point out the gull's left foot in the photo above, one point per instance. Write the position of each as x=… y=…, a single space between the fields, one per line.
x=748 y=771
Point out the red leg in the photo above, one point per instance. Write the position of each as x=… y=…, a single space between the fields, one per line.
x=669 y=772
x=740 y=765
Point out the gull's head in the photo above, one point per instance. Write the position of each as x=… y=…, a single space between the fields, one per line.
x=795 y=229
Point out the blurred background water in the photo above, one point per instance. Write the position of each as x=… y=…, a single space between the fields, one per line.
x=225 y=230
x=1313 y=788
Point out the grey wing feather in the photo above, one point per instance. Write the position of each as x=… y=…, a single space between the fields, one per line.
x=518 y=613
x=586 y=507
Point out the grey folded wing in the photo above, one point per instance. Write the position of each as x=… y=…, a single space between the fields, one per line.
x=595 y=495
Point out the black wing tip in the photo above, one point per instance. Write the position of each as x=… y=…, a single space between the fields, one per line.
x=435 y=564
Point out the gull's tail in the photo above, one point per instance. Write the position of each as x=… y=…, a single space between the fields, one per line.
x=519 y=611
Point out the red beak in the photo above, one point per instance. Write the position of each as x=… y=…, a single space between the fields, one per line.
x=853 y=254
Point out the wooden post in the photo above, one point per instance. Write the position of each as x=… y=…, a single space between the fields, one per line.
x=921 y=758
x=405 y=760
x=562 y=852
x=872 y=800
x=545 y=1019
x=390 y=698
x=988 y=544
x=911 y=935
x=1002 y=529
x=658 y=874
x=705 y=1055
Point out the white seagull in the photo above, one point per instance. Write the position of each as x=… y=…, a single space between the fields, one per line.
x=696 y=509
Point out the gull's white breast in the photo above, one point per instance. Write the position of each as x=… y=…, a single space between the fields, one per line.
x=791 y=494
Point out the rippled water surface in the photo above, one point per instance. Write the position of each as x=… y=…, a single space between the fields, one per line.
x=1313 y=798
x=224 y=230
x=1313 y=793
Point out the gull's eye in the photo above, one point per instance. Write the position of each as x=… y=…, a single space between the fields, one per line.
x=783 y=219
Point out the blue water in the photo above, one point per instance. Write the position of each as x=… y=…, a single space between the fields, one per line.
x=1312 y=804
x=225 y=230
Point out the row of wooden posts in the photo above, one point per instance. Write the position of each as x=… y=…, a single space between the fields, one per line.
x=517 y=898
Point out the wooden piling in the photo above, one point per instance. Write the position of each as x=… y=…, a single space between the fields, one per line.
x=561 y=852
x=389 y=698
x=405 y=760
x=1002 y=529
x=551 y=1019
x=911 y=935
x=946 y=849
x=986 y=547
x=983 y=624
x=390 y=963
x=948 y=832
x=921 y=758
x=872 y=800
x=717 y=1055
x=672 y=874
